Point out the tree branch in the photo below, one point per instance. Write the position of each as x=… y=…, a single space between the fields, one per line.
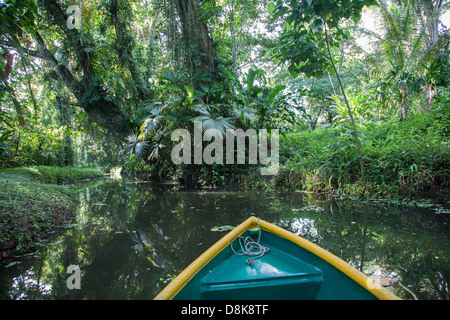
x=73 y=36
x=63 y=73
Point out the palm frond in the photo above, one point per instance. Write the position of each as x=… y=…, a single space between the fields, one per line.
x=141 y=148
x=135 y=145
x=150 y=125
x=201 y=108
x=220 y=123
x=245 y=113
x=155 y=151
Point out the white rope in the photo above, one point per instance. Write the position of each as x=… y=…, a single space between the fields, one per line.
x=251 y=248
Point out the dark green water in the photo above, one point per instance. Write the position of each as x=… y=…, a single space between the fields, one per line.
x=409 y=244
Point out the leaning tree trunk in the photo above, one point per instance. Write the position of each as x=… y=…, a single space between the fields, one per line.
x=101 y=110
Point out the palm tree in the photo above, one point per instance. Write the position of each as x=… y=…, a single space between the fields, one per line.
x=183 y=106
x=406 y=48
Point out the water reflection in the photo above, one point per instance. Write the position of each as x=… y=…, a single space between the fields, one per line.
x=130 y=240
x=305 y=228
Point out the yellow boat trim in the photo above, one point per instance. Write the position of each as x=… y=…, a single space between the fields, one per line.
x=379 y=292
x=184 y=277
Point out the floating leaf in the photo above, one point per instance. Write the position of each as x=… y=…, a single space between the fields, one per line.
x=384 y=281
x=153 y=262
x=222 y=228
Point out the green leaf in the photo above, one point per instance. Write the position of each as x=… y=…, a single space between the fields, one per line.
x=367 y=143
x=190 y=91
x=274 y=92
x=171 y=86
x=12 y=264
x=251 y=79
x=271 y=7
x=318 y=24
x=202 y=76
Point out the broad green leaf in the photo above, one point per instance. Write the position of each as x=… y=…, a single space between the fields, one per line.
x=271 y=7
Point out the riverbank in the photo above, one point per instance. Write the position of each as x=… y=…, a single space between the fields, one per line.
x=34 y=203
x=402 y=160
x=405 y=160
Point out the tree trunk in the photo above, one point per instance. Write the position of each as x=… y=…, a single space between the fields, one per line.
x=355 y=133
x=403 y=104
x=431 y=96
x=65 y=121
x=235 y=42
x=124 y=47
x=102 y=110
x=109 y=116
x=433 y=28
x=12 y=92
x=199 y=51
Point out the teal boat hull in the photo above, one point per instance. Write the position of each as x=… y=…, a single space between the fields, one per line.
x=286 y=272
x=292 y=269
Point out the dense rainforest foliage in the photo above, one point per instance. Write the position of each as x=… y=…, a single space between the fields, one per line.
x=359 y=90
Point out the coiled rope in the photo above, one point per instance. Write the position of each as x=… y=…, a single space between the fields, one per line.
x=250 y=247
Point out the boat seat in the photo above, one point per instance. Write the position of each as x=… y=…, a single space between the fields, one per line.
x=277 y=274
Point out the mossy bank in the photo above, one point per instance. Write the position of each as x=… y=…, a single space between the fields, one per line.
x=35 y=202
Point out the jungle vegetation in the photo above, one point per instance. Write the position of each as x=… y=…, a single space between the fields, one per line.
x=359 y=90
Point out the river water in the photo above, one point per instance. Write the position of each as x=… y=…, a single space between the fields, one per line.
x=130 y=239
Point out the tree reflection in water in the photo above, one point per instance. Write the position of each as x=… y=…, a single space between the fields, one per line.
x=172 y=228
